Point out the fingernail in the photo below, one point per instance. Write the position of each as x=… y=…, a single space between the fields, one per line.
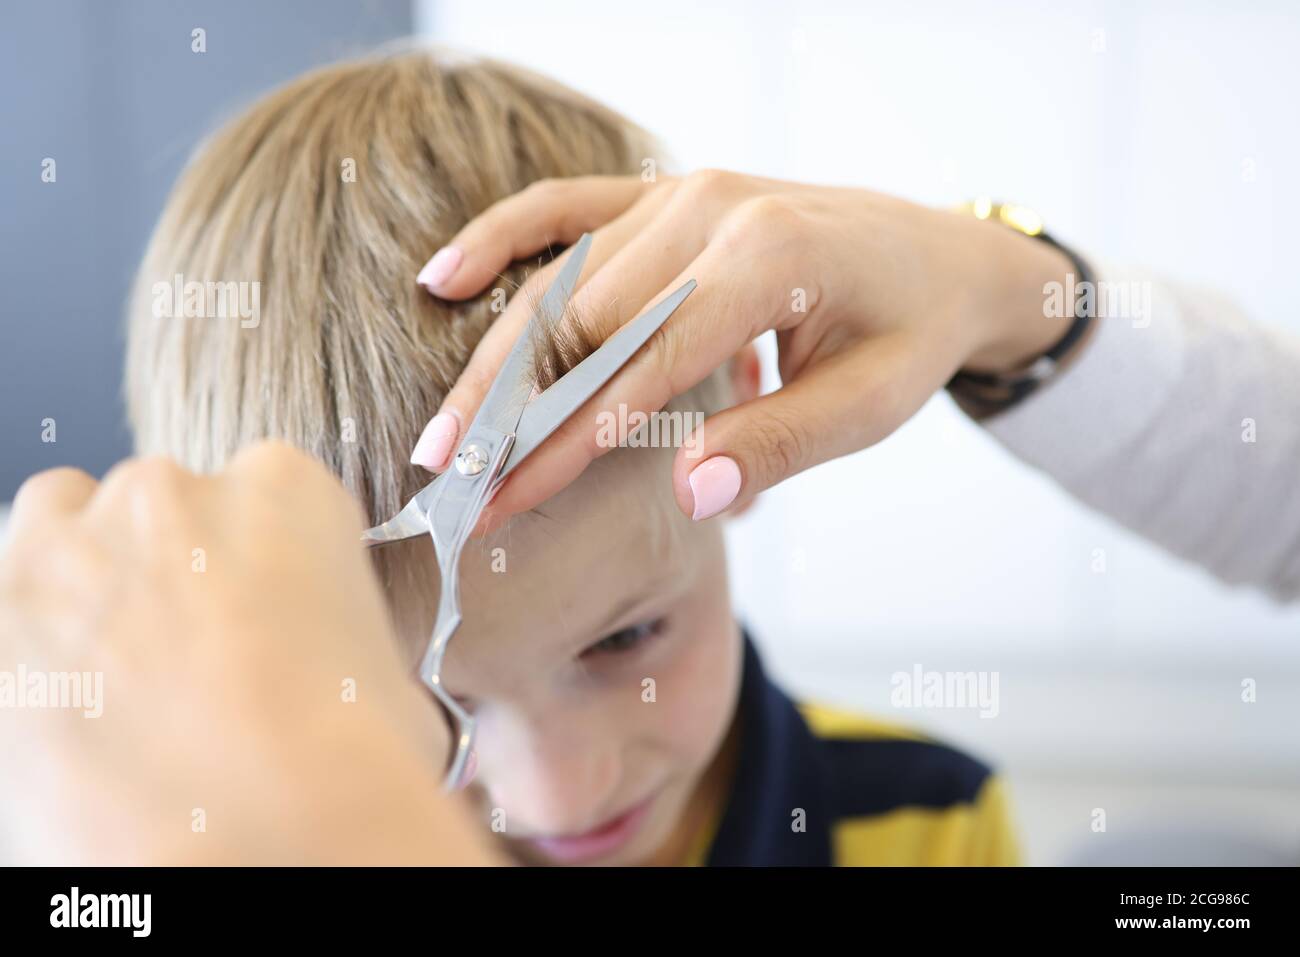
x=439 y=269
x=436 y=441
x=714 y=483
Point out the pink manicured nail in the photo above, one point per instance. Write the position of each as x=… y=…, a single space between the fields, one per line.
x=439 y=269
x=436 y=441
x=714 y=483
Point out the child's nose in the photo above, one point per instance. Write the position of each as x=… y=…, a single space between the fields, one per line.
x=549 y=781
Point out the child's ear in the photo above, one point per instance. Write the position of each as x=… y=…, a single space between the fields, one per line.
x=746 y=379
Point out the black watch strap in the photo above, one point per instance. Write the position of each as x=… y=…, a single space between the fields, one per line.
x=989 y=393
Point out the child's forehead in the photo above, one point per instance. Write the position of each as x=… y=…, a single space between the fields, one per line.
x=611 y=537
x=623 y=501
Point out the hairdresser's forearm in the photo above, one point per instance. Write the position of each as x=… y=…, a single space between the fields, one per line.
x=1180 y=422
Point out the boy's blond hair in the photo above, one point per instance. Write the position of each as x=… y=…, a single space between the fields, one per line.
x=329 y=194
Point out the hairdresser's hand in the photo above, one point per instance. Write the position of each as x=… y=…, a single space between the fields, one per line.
x=876 y=303
x=227 y=616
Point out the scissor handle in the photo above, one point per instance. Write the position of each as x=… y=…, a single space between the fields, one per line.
x=458 y=500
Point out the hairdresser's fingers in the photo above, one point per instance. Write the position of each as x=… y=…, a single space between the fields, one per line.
x=49 y=495
x=549 y=212
x=726 y=312
x=275 y=463
x=630 y=262
x=642 y=255
x=643 y=267
x=842 y=404
x=299 y=486
x=441 y=435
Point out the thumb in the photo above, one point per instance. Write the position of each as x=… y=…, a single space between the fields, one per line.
x=841 y=405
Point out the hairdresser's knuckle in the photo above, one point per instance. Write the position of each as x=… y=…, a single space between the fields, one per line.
x=276 y=462
x=707 y=193
x=784 y=444
x=45 y=486
x=735 y=239
x=769 y=217
x=269 y=454
x=150 y=493
x=764 y=228
x=278 y=473
x=153 y=476
x=548 y=192
x=43 y=482
x=706 y=185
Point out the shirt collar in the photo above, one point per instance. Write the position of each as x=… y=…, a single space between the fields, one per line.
x=780 y=772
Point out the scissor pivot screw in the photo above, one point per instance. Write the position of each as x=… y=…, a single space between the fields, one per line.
x=471 y=460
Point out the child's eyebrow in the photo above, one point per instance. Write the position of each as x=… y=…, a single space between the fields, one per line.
x=631 y=602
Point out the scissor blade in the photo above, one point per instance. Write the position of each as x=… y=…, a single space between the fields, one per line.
x=503 y=405
x=410 y=522
x=513 y=385
x=549 y=410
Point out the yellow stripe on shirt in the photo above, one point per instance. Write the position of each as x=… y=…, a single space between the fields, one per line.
x=962 y=835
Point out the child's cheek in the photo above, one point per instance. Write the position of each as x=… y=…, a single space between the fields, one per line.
x=697 y=688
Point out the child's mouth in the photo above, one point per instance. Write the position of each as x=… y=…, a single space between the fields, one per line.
x=599 y=841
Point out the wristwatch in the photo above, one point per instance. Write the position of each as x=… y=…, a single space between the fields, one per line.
x=988 y=393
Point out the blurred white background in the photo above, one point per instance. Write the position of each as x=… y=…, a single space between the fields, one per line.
x=1163 y=134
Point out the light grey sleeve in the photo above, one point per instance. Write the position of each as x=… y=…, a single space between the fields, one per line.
x=1182 y=421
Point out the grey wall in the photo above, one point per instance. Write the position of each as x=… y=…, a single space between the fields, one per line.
x=112 y=92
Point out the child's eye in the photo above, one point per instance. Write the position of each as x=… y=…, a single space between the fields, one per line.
x=627 y=639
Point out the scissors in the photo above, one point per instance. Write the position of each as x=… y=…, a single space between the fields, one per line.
x=509 y=426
